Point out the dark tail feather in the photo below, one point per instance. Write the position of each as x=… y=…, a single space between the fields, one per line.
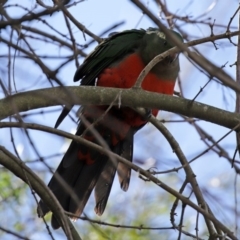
x=55 y=223
x=124 y=172
x=105 y=181
x=85 y=184
x=104 y=185
x=63 y=114
x=80 y=188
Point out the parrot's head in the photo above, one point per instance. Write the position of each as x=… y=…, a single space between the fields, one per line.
x=155 y=42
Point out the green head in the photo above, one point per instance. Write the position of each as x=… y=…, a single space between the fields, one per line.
x=155 y=42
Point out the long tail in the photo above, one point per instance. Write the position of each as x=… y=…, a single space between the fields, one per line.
x=105 y=180
x=83 y=168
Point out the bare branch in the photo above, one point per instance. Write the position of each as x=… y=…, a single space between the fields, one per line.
x=21 y=170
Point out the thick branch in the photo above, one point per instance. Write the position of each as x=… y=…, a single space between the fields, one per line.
x=105 y=96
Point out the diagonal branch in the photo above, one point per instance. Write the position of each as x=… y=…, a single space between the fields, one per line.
x=12 y=163
x=143 y=172
x=190 y=175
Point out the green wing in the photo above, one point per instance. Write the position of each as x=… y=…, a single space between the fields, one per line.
x=107 y=52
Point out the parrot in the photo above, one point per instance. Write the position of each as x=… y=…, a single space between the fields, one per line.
x=116 y=62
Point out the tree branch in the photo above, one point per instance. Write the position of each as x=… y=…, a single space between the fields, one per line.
x=16 y=166
x=105 y=96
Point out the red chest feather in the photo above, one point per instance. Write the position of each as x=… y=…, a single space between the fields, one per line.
x=125 y=74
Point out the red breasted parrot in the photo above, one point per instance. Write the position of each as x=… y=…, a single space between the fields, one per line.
x=116 y=62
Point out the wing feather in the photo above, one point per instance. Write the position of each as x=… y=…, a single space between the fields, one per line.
x=109 y=51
